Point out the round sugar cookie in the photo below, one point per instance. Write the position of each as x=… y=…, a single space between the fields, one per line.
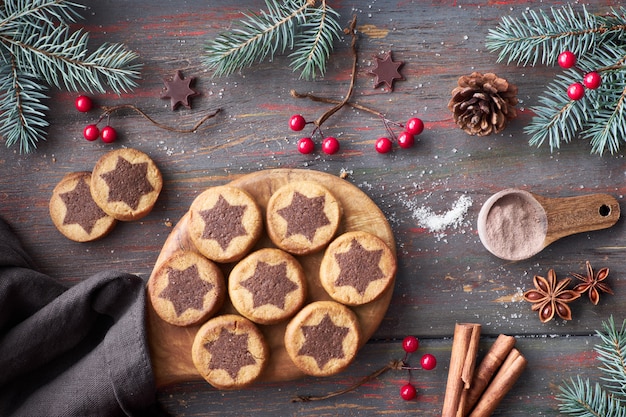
x=186 y=289
x=267 y=286
x=74 y=212
x=323 y=338
x=229 y=352
x=302 y=217
x=357 y=268
x=126 y=183
x=225 y=222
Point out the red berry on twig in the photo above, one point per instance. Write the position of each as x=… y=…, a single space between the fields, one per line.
x=306 y=146
x=406 y=140
x=567 y=59
x=428 y=362
x=91 y=132
x=108 y=134
x=330 y=145
x=576 y=91
x=592 y=80
x=414 y=126
x=383 y=145
x=297 y=123
x=410 y=344
x=83 y=104
x=408 y=392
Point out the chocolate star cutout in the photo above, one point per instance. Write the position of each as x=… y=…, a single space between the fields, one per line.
x=386 y=71
x=223 y=222
x=304 y=215
x=229 y=352
x=269 y=285
x=128 y=182
x=81 y=209
x=185 y=289
x=179 y=90
x=323 y=341
x=358 y=267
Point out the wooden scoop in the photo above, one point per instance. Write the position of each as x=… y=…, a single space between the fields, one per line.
x=515 y=224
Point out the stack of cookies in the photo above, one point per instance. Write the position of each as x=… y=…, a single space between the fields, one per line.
x=124 y=186
x=264 y=288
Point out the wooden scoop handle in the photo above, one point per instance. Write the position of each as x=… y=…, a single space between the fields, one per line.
x=569 y=215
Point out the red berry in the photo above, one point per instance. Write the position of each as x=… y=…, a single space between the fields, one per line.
x=330 y=145
x=297 y=123
x=414 y=126
x=406 y=140
x=567 y=59
x=306 y=145
x=383 y=145
x=576 y=91
x=428 y=362
x=408 y=392
x=410 y=344
x=91 y=132
x=83 y=104
x=108 y=134
x=592 y=80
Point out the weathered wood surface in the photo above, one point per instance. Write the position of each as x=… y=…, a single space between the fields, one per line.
x=443 y=278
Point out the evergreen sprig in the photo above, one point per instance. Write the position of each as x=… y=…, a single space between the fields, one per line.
x=579 y=397
x=38 y=49
x=599 y=42
x=299 y=25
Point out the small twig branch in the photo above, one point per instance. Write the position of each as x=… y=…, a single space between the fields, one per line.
x=108 y=110
x=395 y=364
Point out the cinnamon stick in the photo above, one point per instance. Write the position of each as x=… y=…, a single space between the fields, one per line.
x=510 y=371
x=462 y=365
x=488 y=368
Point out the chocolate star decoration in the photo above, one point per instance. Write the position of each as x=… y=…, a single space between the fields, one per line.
x=185 y=289
x=304 y=215
x=269 y=285
x=223 y=222
x=358 y=267
x=81 y=209
x=179 y=90
x=229 y=352
x=324 y=341
x=386 y=71
x=127 y=182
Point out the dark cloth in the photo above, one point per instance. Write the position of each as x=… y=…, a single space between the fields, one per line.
x=78 y=351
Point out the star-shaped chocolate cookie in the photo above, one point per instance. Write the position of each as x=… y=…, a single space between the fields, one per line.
x=179 y=90
x=223 y=222
x=229 y=352
x=324 y=341
x=127 y=182
x=81 y=209
x=358 y=267
x=185 y=289
x=269 y=285
x=304 y=215
x=386 y=71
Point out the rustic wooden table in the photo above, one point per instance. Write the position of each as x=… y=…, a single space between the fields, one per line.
x=444 y=276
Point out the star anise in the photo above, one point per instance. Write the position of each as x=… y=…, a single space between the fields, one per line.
x=592 y=283
x=551 y=296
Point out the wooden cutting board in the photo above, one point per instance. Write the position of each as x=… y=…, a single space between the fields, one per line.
x=171 y=345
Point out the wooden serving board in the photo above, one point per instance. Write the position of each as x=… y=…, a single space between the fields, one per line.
x=171 y=345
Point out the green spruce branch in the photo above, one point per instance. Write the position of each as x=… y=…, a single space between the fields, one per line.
x=579 y=397
x=38 y=49
x=303 y=26
x=599 y=42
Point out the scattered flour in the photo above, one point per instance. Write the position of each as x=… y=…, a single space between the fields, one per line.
x=438 y=223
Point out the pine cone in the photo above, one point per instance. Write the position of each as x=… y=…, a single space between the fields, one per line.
x=483 y=104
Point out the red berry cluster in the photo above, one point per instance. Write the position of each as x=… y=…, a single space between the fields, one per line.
x=410 y=344
x=92 y=132
x=330 y=144
x=591 y=80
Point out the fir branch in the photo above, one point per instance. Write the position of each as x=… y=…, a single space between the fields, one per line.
x=612 y=355
x=37 y=46
x=599 y=43
x=298 y=25
x=579 y=398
